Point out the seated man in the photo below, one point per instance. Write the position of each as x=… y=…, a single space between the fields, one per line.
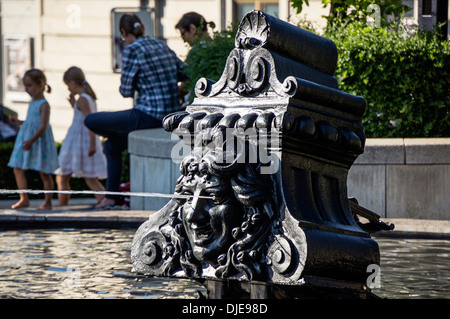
x=150 y=68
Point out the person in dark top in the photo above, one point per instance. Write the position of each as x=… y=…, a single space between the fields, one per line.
x=151 y=71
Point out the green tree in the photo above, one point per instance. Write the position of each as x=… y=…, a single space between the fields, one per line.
x=207 y=57
x=347 y=11
x=402 y=72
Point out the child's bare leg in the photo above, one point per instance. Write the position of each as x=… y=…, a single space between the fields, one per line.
x=21 y=184
x=48 y=185
x=63 y=182
x=95 y=185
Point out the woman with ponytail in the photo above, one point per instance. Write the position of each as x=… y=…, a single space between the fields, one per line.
x=150 y=69
x=80 y=154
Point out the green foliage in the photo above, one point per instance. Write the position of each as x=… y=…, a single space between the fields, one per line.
x=207 y=57
x=404 y=75
x=348 y=11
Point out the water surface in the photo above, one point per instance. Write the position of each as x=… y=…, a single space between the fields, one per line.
x=95 y=263
x=414 y=268
x=78 y=264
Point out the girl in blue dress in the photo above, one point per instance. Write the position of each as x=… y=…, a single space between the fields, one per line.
x=35 y=147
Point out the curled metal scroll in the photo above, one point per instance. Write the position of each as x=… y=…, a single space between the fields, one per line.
x=256 y=73
x=151 y=252
x=248 y=74
x=281 y=255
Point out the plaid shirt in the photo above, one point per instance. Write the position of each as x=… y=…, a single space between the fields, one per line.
x=152 y=69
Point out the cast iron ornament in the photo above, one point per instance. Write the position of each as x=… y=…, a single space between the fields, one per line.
x=264 y=182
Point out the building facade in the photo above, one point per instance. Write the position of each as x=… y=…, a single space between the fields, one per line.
x=54 y=35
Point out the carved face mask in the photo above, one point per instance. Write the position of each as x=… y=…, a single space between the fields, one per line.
x=209 y=222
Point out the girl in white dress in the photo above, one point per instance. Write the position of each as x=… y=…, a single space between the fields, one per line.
x=81 y=152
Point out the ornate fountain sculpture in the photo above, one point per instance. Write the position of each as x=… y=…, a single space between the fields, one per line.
x=261 y=203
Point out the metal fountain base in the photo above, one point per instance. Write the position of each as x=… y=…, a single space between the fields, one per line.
x=261 y=207
x=309 y=288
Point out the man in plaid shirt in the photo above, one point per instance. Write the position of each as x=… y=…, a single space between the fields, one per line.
x=150 y=69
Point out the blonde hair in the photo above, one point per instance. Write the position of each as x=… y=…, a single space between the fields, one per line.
x=38 y=77
x=76 y=74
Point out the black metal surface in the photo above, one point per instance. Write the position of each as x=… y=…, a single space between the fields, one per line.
x=271 y=142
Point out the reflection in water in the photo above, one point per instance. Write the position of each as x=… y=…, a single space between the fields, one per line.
x=90 y=263
x=78 y=264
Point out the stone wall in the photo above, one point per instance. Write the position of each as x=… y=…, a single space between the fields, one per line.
x=403 y=178
x=151 y=167
x=395 y=178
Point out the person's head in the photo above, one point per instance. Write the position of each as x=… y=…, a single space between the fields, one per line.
x=192 y=26
x=35 y=83
x=76 y=82
x=131 y=27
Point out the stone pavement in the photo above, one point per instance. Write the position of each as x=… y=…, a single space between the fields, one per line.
x=424 y=228
x=80 y=213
